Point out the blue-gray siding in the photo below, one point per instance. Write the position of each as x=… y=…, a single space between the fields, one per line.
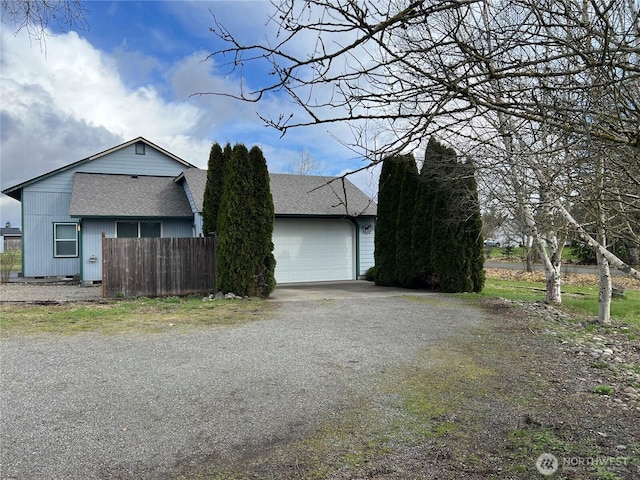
x=197 y=217
x=48 y=200
x=366 y=245
x=92 y=241
x=197 y=223
x=40 y=211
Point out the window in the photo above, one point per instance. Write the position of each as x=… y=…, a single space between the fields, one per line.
x=65 y=240
x=149 y=229
x=140 y=148
x=138 y=229
x=127 y=229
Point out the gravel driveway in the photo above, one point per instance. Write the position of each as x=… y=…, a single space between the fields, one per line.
x=149 y=405
x=48 y=292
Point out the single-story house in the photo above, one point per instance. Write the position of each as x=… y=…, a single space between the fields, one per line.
x=324 y=226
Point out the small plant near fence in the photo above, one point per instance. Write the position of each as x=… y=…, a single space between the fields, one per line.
x=9 y=259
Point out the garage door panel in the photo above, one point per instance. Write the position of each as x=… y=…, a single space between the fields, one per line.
x=309 y=250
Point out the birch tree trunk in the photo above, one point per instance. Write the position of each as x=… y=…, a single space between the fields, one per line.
x=553 y=281
x=605 y=291
x=550 y=256
x=528 y=253
x=613 y=260
x=551 y=259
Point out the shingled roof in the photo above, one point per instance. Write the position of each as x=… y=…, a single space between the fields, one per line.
x=299 y=194
x=105 y=195
x=318 y=195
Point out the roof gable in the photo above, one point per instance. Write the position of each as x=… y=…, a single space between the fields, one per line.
x=16 y=191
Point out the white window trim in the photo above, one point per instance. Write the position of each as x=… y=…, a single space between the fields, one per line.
x=56 y=240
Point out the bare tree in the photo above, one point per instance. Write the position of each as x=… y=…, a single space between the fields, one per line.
x=478 y=71
x=305 y=164
x=426 y=64
x=35 y=16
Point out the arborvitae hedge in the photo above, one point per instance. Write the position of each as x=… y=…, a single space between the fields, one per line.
x=213 y=188
x=405 y=266
x=473 y=230
x=448 y=237
x=246 y=265
x=425 y=217
x=428 y=231
x=235 y=257
x=263 y=217
x=448 y=254
x=389 y=188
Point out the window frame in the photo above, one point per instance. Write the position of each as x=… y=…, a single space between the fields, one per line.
x=140 y=148
x=139 y=227
x=57 y=240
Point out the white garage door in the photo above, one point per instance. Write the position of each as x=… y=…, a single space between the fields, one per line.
x=313 y=250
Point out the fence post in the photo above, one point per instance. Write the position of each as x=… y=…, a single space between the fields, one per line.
x=215 y=262
x=103 y=260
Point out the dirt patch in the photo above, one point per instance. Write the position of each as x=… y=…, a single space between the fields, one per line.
x=48 y=293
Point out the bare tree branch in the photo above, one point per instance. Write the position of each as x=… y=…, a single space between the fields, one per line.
x=35 y=16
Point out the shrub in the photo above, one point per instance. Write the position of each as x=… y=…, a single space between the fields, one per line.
x=246 y=264
x=371 y=274
x=213 y=189
x=389 y=188
x=8 y=261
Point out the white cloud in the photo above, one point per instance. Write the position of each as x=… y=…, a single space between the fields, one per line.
x=74 y=102
x=85 y=84
x=71 y=103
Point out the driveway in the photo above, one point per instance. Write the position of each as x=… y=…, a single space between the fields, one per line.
x=155 y=405
x=289 y=292
x=58 y=292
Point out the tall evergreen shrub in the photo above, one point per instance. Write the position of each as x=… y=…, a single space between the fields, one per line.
x=473 y=229
x=235 y=257
x=213 y=188
x=246 y=265
x=447 y=229
x=389 y=187
x=263 y=216
x=426 y=217
x=451 y=263
x=405 y=266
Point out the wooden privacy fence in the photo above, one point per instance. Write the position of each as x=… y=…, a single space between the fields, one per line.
x=157 y=267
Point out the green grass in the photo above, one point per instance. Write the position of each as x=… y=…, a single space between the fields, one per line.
x=603 y=390
x=517 y=254
x=580 y=300
x=143 y=314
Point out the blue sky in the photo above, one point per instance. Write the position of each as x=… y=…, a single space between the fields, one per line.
x=133 y=72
